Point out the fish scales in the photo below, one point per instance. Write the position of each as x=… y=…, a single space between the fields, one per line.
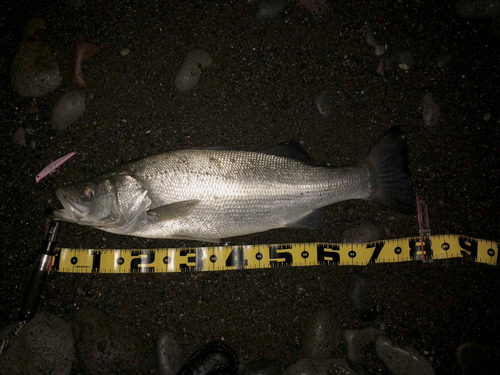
x=242 y=192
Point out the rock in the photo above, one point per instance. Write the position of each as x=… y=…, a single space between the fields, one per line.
x=406 y=60
x=125 y=51
x=44 y=345
x=430 y=110
x=477 y=8
x=306 y=366
x=365 y=232
x=479 y=359
x=317 y=8
x=104 y=344
x=360 y=342
x=401 y=361
x=34 y=69
x=81 y=51
x=68 y=109
x=211 y=359
x=269 y=9
x=359 y=291
x=444 y=60
x=370 y=38
x=324 y=104
x=264 y=366
x=168 y=354
x=19 y=136
x=321 y=335
x=188 y=75
x=379 y=50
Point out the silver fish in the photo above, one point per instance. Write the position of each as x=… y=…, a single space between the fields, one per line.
x=209 y=194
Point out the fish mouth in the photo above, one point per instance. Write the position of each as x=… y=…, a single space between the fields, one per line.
x=72 y=211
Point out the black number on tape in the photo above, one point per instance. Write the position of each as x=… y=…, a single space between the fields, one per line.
x=275 y=252
x=378 y=248
x=192 y=257
x=469 y=247
x=96 y=260
x=327 y=254
x=136 y=262
x=236 y=258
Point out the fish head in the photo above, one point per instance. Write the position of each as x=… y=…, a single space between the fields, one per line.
x=111 y=202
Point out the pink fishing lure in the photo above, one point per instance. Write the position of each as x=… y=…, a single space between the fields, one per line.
x=53 y=166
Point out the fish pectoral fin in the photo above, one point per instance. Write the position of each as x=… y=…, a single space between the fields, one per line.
x=311 y=221
x=174 y=211
x=291 y=150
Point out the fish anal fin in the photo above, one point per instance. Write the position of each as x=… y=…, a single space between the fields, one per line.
x=311 y=221
x=174 y=211
x=194 y=238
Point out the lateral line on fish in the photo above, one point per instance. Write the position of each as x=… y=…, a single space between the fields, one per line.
x=225 y=258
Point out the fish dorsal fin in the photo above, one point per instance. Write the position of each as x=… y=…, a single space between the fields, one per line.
x=174 y=211
x=291 y=150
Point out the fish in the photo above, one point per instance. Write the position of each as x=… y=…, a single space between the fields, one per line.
x=207 y=194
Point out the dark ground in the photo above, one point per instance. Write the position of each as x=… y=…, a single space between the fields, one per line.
x=260 y=91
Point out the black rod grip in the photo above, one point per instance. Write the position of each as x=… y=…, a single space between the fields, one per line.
x=33 y=293
x=39 y=274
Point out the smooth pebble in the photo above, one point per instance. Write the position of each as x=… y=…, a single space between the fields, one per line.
x=478 y=359
x=402 y=361
x=45 y=345
x=34 y=70
x=104 y=343
x=168 y=354
x=406 y=60
x=212 y=358
x=324 y=104
x=68 y=109
x=325 y=366
x=476 y=8
x=269 y=9
x=431 y=113
x=189 y=74
x=19 y=136
x=444 y=60
x=321 y=336
x=264 y=366
x=359 y=341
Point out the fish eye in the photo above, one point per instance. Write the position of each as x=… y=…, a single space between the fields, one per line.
x=86 y=192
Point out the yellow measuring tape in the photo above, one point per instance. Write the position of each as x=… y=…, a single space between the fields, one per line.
x=223 y=258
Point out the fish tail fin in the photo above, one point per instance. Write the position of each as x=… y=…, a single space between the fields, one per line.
x=390 y=176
